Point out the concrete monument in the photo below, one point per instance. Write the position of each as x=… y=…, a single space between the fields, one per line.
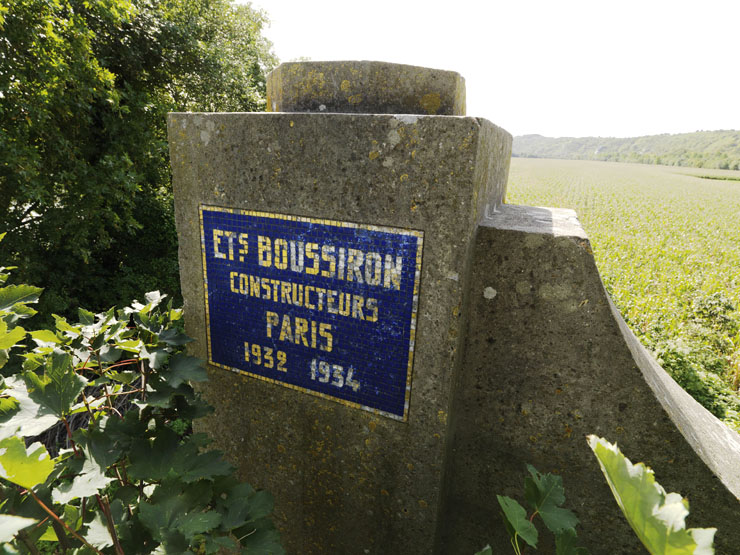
x=389 y=343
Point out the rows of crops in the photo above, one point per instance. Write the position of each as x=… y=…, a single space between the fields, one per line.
x=667 y=242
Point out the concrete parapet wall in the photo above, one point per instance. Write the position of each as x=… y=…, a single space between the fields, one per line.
x=549 y=360
x=512 y=351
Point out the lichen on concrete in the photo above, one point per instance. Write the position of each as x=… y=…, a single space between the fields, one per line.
x=364 y=87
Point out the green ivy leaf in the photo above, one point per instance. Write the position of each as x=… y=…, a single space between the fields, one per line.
x=234 y=505
x=20 y=312
x=157 y=517
x=197 y=523
x=63 y=326
x=162 y=395
x=130 y=345
x=194 y=408
x=565 y=543
x=157 y=357
x=49 y=534
x=174 y=507
x=73 y=517
x=124 y=432
x=153 y=460
x=134 y=538
x=33 y=361
x=60 y=385
x=656 y=517
x=173 y=541
x=98 y=446
x=98 y=534
x=485 y=551
x=13 y=294
x=24 y=467
x=516 y=516
x=88 y=482
x=119 y=511
x=263 y=540
x=109 y=353
x=126 y=495
x=98 y=342
x=124 y=377
x=173 y=337
x=192 y=466
x=10 y=525
x=86 y=317
x=45 y=338
x=545 y=494
x=10 y=338
x=116 y=327
x=8 y=404
x=185 y=368
x=220 y=544
x=261 y=504
x=31 y=418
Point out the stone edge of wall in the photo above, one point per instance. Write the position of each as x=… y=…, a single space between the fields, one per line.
x=713 y=441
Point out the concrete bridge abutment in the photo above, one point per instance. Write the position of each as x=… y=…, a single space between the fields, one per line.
x=389 y=343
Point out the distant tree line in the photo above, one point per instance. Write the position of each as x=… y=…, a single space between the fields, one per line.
x=702 y=149
x=85 y=87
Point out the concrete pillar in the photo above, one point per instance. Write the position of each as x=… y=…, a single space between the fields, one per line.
x=382 y=209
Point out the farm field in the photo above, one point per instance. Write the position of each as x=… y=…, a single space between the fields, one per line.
x=667 y=243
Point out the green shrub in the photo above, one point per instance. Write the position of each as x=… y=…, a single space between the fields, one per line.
x=126 y=481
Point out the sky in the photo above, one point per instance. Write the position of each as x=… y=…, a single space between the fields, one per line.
x=561 y=69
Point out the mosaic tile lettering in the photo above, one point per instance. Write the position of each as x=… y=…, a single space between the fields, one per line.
x=322 y=306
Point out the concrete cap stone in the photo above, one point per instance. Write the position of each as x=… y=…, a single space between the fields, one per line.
x=365 y=87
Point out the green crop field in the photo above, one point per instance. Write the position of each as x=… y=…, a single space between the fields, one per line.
x=667 y=243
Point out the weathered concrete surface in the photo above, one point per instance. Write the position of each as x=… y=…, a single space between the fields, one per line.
x=345 y=480
x=365 y=87
x=549 y=360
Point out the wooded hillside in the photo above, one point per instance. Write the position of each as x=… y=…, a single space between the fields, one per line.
x=702 y=149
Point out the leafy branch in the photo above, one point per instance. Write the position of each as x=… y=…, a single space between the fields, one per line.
x=127 y=481
x=544 y=494
x=657 y=517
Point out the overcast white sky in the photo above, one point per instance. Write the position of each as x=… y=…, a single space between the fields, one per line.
x=569 y=68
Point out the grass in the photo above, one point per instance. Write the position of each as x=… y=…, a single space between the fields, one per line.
x=667 y=243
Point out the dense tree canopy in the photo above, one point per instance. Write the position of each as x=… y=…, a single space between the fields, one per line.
x=85 y=87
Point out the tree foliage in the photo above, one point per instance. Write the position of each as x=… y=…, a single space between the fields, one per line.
x=84 y=172
x=131 y=479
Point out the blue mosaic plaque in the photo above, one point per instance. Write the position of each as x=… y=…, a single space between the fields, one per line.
x=321 y=306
